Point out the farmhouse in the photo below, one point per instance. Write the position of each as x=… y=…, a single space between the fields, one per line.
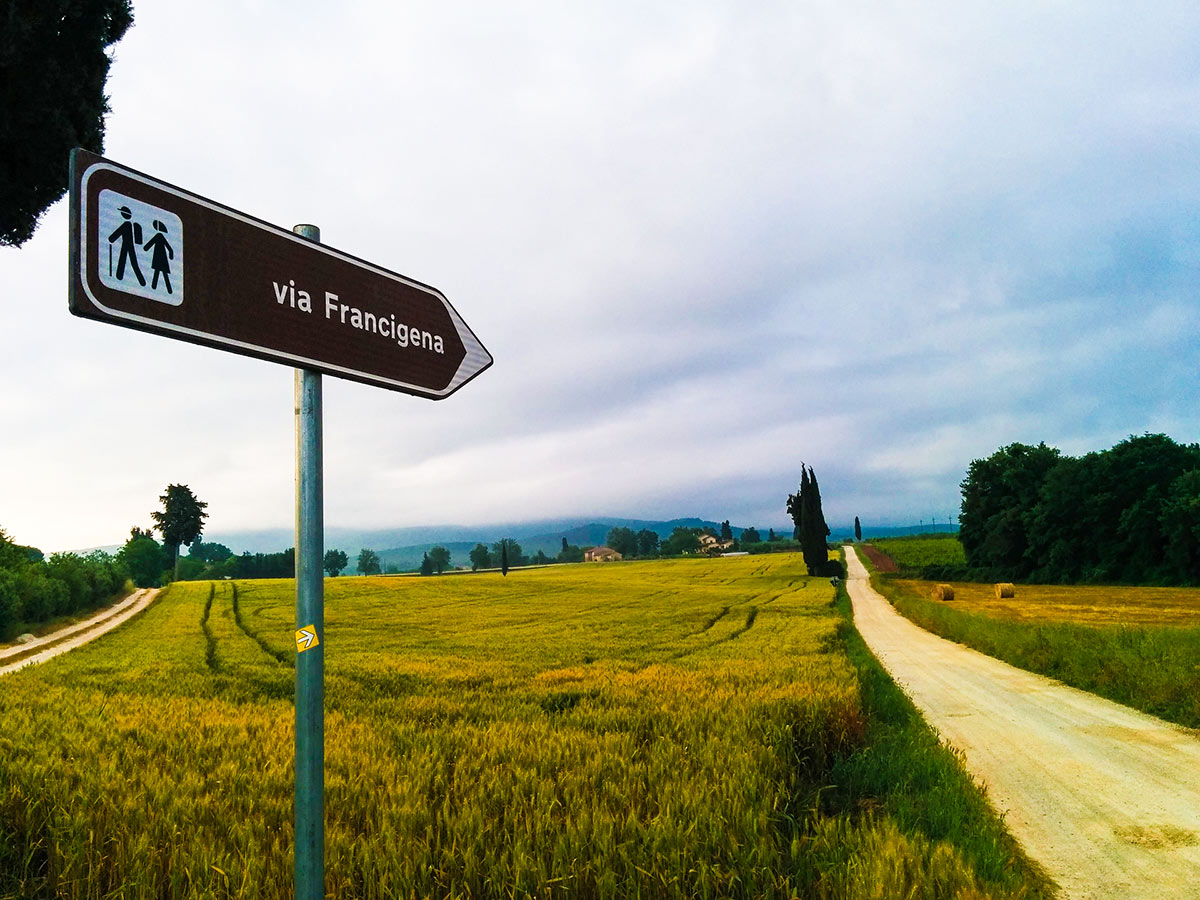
x=600 y=554
x=712 y=545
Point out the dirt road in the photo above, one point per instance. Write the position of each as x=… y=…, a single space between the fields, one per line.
x=1107 y=799
x=79 y=634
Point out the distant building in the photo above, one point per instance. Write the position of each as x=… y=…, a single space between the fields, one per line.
x=713 y=545
x=601 y=554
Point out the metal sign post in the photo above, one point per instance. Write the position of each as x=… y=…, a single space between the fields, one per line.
x=310 y=632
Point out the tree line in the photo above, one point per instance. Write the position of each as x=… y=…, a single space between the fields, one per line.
x=34 y=589
x=1130 y=514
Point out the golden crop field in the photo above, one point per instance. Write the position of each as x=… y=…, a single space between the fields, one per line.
x=1083 y=604
x=655 y=729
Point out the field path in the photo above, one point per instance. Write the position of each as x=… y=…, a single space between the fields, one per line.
x=1105 y=798
x=79 y=634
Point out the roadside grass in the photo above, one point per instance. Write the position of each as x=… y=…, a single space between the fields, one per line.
x=1136 y=646
x=691 y=728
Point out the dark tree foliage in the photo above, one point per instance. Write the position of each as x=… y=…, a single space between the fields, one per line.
x=209 y=553
x=368 y=562
x=53 y=66
x=33 y=590
x=726 y=531
x=265 y=565
x=1180 y=524
x=811 y=531
x=647 y=543
x=426 y=564
x=815 y=531
x=143 y=558
x=751 y=536
x=181 y=520
x=681 y=540
x=334 y=562
x=508 y=553
x=623 y=540
x=857 y=529
x=481 y=559
x=1129 y=514
x=439 y=558
x=795 y=502
x=997 y=495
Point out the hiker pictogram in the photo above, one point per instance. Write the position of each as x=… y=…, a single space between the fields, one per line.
x=132 y=261
x=129 y=233
x=162 y=253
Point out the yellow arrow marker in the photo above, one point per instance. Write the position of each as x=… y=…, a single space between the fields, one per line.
x=306 y=638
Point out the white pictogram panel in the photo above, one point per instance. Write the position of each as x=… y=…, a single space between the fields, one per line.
x=140 y=249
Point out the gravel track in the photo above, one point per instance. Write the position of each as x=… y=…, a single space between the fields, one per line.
x=1105 y=798
x=79 y=634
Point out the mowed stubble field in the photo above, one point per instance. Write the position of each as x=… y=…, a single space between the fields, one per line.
x=694 y=728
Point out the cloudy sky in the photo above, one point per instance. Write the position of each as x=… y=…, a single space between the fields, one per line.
x=703 y=241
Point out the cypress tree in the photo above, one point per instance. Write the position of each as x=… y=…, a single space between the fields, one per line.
x=504 y=556
x=813 y=530
x=857 y=530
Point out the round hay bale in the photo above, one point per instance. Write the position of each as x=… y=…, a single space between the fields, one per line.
x=943 y=592
x=1005 y=590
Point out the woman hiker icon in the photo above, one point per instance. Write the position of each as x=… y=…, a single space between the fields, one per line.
x=162 y=252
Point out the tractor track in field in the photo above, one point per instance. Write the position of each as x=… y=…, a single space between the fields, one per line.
x=1106 y=799
x=283 y=657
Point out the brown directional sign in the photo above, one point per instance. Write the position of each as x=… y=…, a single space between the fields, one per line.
x=150 y=256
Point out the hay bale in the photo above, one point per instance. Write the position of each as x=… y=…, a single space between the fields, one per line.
x=943 y=592
x=1005 y=590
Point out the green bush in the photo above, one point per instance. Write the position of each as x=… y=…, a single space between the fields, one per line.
x=10 y=601
x=40 y=597
x=70 y=570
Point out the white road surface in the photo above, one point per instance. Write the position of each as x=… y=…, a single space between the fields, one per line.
x=79 y=634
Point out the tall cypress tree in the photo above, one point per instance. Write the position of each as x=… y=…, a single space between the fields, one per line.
x=813 y=530
x=857 y=529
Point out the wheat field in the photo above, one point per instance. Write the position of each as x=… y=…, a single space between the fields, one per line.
x=632 y=730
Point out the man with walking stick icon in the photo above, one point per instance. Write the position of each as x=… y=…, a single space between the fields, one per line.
x=129 y=233
x=158 y=255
